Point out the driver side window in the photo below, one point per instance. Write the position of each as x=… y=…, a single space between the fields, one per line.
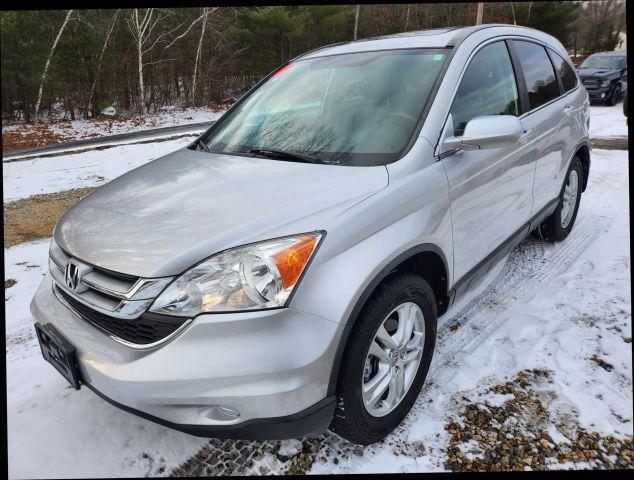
x=488 y=87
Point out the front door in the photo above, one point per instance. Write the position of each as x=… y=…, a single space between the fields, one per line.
x=491 y=190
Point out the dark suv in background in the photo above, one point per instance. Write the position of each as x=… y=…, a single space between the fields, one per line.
x=604 y=75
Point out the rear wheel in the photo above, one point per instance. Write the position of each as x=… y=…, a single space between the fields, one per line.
x=559 y=225
x=386 y=359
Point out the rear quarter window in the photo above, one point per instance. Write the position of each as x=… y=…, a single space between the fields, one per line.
x=539 y=76
x=565 y=72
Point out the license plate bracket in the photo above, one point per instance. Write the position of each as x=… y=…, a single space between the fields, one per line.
x=59 y=352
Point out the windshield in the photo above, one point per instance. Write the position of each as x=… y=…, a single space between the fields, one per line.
x=350 y=109
x=604 y=62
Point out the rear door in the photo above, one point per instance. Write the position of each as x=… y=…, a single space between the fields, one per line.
x=549 y=120
x=491 y=190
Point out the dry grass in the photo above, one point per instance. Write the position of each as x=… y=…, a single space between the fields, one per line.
x=35 y=217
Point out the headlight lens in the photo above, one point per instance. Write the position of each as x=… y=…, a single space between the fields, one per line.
x=261 y=275
x=606 y=83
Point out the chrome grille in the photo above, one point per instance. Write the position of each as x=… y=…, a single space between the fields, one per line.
x=590 y=82
x=101 y=295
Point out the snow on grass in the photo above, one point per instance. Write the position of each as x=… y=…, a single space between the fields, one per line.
x=607 y=122
x=79 y=129
x=53 y=174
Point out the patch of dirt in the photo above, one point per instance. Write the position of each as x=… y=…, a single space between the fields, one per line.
x=29 y=136
x=35 y=217
x=616 y=143
x=8 y=283
x=515 y=435
x=602 y=363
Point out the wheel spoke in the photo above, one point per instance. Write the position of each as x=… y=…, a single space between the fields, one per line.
x=416 y=341
x=385 y=337
x=405 y=325
x=374 y=389
x=378 y=352
x=412 y=355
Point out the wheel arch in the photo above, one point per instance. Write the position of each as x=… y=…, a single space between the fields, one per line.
x=583 y=152
x=425 y=259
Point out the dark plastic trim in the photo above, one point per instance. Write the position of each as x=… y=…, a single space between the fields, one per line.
x=312 y=421
x=470 y=278
x=385 y=271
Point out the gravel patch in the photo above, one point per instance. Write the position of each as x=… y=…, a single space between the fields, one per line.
x=521 y=433
x=35 y=217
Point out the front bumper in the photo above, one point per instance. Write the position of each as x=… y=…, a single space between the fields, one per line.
x=600 y=93
x=272 y=367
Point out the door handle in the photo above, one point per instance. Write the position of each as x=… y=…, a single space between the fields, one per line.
x=567 y=110
x=525 y=136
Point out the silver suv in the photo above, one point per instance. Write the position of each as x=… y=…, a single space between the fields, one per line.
x=284 y=273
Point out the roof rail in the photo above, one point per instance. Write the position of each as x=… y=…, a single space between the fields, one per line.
x=315 y=49
x=464 y=32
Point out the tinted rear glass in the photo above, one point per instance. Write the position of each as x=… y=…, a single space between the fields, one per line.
x=565 y=71
x=539 y=75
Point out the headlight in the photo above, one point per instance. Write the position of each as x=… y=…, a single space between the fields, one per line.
x=606 y=83
x=257 y=276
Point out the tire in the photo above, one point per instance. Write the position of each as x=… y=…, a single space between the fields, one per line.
x=554 y=228
x=352 y=419
x=615 y=96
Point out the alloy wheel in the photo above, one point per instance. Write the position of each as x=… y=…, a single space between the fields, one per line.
x=393 y=359
x=569 y=198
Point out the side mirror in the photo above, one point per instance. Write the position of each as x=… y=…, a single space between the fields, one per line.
x=486 y=132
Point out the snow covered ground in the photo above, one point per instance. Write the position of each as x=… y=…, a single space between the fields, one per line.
x=79 y=129
x=607 y=122
x=53 y=174
x=558 y=307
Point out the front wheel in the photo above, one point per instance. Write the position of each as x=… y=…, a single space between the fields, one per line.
x=386 y=359
x=614 y=97
x=559 y=225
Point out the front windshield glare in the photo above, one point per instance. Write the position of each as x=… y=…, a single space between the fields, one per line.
x=606 y=62
x=352 y=109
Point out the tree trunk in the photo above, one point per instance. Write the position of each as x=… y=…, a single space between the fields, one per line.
x=406 y=19
x=48 y=61
x=200 y=43
x=480 y=13
x=142 y=106
x=356 y=21
x=103 y=49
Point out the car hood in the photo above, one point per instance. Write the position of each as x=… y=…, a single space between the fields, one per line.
x=597 y=72
x=162 y=218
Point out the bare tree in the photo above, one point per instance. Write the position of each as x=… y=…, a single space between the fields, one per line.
x=103 y=49
x=142 y=30
x=48 y=62
x=200 y=44
x=356 y=21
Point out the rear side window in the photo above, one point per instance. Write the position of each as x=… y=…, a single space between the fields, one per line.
x=567 y=75
x=487 y=88
x=539 y=75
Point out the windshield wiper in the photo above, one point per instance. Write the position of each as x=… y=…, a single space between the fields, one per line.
x=291 y=156
x=202 y=145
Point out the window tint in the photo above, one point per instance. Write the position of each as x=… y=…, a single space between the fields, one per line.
x=567 y=75
x=487 y=88
x=539 y=75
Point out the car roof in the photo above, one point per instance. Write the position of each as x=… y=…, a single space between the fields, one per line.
x=434 y=38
